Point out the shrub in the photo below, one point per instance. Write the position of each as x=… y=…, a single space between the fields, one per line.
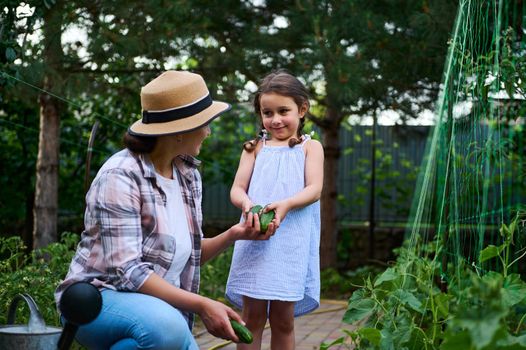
x=36 y=274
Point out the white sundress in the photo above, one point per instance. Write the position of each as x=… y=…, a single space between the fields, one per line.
x=286 y=267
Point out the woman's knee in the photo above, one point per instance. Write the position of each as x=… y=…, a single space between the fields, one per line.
x=167 y=330
x=135 y=317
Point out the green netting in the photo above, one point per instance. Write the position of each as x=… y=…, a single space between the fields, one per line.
x=473 y=178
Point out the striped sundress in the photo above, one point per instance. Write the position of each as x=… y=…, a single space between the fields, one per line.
x=285 y=267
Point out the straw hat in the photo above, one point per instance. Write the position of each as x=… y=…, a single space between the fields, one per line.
x=176 y=102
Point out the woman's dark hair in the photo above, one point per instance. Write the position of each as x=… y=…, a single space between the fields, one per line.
x=139 y=144
x=282 y=83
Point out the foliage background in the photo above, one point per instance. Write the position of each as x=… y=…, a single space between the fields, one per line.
x=357 y=58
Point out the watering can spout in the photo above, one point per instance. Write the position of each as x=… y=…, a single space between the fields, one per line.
x=80 y=304
x=36 y=323
x=34 y=335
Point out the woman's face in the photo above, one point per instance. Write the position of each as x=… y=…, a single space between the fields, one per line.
x=191 y=141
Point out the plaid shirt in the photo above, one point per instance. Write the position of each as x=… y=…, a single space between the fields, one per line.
x=126 y=236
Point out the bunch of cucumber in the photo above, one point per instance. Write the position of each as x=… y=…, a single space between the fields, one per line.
x=264 y=218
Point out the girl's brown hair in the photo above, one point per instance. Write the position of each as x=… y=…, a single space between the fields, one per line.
x=282 y=83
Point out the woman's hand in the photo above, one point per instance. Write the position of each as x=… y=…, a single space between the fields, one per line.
x=216 y=317
x=250 y=229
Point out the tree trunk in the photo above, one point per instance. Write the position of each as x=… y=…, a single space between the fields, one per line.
x=27 y=233
x=46 y=187
x=46 y=191
x=329 y=224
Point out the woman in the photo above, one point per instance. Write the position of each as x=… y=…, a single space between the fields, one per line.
x=142 y=244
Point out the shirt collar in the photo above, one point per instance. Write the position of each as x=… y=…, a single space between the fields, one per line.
x=147 y=165
x=185 y=164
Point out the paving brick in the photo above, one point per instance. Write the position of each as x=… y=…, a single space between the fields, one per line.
x=311 y=330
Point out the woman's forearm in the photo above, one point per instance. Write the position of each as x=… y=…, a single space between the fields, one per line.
x=158 y=287
x=247 y=229
x=211 y=247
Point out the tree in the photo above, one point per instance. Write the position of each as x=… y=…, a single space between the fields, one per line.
x=46 y=187
x=348 y=53
x=127 y=45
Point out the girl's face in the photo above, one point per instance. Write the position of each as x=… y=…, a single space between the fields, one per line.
x=191 y=142
x=280 y=115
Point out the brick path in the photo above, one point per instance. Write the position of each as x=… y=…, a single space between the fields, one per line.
x=311 y=330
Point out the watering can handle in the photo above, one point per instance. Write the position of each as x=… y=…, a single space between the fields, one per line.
x=36 y=322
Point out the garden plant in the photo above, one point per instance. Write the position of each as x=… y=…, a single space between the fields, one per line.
x=459 y=280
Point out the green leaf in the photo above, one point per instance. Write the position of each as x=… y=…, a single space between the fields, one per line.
x=493 y=280
x=512 y=343
x=481 y=329
x=513 y=290
x=505 y=231
x=349 y=333
x=442 y=304
x=373 y=335
x=358 y=308
x=512 y=228
x=359 y=311
x=409 y=299
x=386 y=342
x=388 y=275
x=325 y=346
x=489 y=252
x=10 y=54
x=347 y=151
x=456 y=341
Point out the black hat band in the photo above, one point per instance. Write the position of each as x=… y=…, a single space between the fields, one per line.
x=178 y=113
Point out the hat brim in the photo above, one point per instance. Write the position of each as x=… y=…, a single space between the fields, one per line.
x=181 y=125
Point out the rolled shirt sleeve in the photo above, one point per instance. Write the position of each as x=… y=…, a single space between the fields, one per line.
x=115 y=211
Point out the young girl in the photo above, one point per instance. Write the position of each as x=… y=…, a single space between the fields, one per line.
x=283 y=169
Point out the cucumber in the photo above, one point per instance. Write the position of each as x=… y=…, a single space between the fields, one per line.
x=265 y=219
x=256 y=209
x=242 y=332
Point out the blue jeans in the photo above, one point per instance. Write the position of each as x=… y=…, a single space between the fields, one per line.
x=136 y=321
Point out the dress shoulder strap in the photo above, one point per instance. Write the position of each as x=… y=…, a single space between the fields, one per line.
x=306 y=137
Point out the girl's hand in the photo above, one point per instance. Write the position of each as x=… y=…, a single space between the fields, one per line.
x=216 y=316
x=250 y=229
x=246 y=206
x=281 y=208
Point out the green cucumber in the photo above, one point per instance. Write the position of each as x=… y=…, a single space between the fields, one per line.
x=265 y=219
x=256 y=209
x=242 y=332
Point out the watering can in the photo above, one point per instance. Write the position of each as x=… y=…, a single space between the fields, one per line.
x=80 y=304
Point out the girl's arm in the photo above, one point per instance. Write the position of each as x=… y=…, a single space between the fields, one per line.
x=238 y=192
x=313 y=183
